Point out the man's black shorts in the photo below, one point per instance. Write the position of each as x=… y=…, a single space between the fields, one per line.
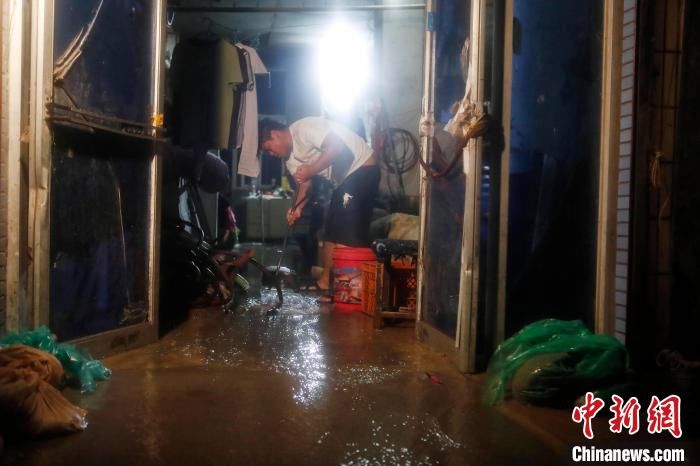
x=350 y=211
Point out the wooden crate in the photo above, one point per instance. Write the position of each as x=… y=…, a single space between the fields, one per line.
x=372 y=287
x=375 y=295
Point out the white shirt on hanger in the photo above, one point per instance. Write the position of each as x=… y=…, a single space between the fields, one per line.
x=249 y=164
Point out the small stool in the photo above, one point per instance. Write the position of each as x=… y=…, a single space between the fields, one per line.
x=390 y=284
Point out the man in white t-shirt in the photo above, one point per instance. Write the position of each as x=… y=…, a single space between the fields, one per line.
x=316 y=146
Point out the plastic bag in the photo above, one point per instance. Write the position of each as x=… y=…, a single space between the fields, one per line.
x=534 y=381
x=77 y=364
x=587 y=359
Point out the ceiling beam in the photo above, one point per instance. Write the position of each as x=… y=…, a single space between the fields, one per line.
x=281 y=9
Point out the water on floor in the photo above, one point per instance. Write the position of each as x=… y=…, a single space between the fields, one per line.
x=305 y=386
x=294 y=303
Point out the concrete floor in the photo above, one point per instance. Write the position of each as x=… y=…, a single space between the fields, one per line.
x=315 y=388
x=308 y=386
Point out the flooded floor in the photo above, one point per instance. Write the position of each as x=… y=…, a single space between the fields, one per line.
x=313 y=387
x=307 y=386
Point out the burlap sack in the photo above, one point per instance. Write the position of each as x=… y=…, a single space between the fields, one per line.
x=44 y=364
x=29 y=404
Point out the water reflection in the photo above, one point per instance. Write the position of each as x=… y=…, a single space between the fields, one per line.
x=387 y=445
x=363 y=375
x=290 y=343
x=296 y=349
x=153 y=433
x=294 y=303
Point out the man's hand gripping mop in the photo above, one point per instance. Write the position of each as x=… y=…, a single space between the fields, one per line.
x=276 y=276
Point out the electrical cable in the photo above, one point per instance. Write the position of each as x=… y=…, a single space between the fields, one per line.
x=398 y=156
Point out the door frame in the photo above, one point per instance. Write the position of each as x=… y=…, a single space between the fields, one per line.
x=427 y=134
x=609 y=151
x=462 y=349
x=133 y=336
x=609 y=168
x=40 y=143
x=12 y=85
x=38 y=226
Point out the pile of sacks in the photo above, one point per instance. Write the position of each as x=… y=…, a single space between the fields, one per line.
x=30 y=403
x=32 y=364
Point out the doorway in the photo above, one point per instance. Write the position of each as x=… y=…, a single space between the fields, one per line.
x=533 y=203
x=553 y=161
x=356 y=64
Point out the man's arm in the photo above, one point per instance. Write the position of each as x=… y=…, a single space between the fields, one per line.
x=332 y=149
x=301 y=200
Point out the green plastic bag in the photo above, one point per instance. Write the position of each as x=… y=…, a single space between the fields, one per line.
x=595 y=357
x=77 y=364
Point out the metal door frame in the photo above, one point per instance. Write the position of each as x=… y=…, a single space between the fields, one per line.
x=462 y=349
x=122 y=339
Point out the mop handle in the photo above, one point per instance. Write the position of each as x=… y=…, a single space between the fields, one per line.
x=290 y=227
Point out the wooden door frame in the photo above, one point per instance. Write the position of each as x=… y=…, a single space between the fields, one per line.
x=38 y=227
x=608 y=168
x=12 y=86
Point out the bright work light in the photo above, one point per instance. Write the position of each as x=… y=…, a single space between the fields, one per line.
x=343 y=64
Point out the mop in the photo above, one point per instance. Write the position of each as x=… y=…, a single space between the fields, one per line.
x=275 y=276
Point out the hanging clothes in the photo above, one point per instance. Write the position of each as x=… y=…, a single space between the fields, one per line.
x=205 y=74
x=249 y=164
x=237 y=126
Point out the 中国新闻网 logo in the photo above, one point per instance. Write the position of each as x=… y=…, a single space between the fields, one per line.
x=662 y=415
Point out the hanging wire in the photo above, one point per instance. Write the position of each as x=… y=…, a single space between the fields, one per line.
x=399 y=155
